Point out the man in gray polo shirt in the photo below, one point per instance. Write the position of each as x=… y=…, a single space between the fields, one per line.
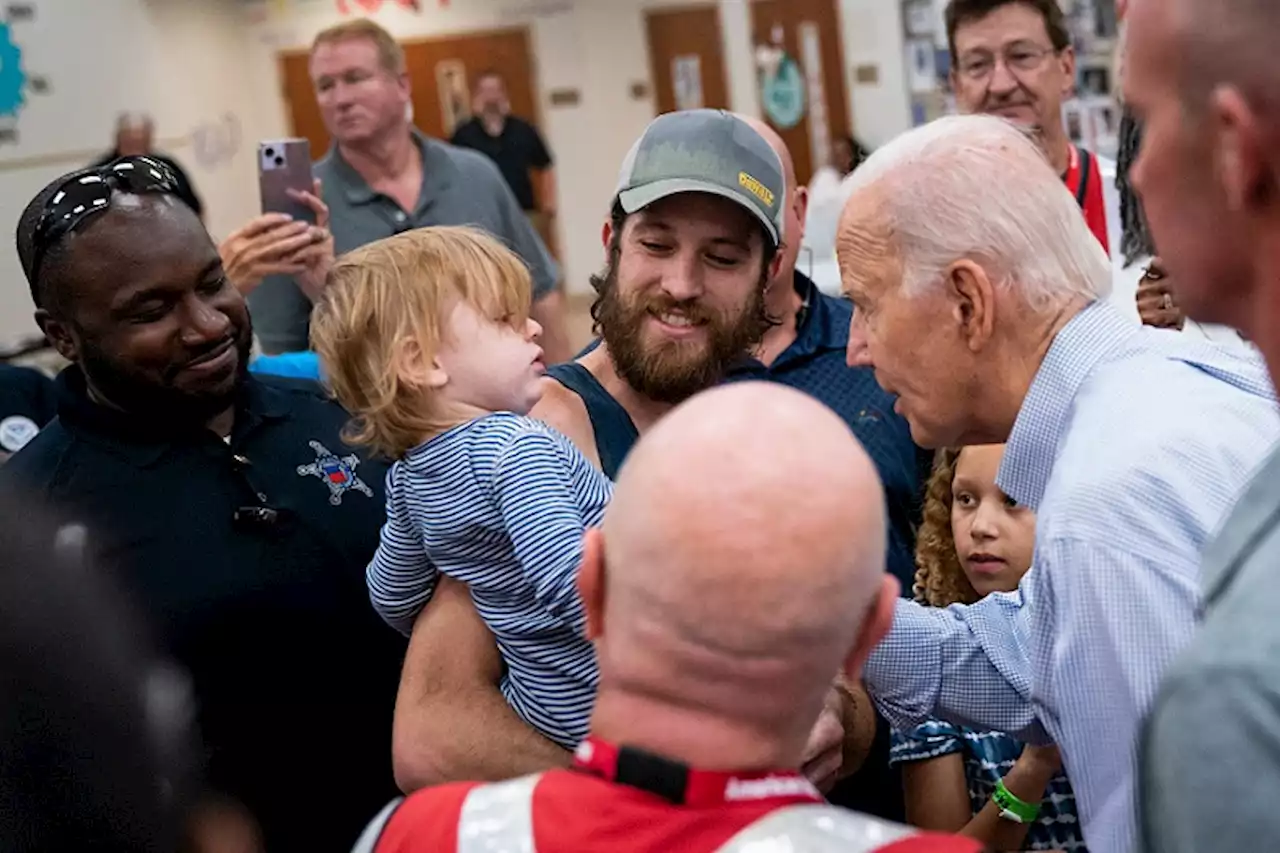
x=383 y=176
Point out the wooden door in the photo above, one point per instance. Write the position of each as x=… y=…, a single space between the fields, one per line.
x=300 y=102
x=686 y=60
x=809 y=33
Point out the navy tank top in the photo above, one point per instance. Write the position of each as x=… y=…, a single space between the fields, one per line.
x=614 y=432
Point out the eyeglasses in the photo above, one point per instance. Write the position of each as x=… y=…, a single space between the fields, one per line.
x=980 y=65
x=87 y=194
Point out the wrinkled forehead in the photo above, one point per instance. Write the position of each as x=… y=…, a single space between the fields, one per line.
x=865 y=245
x=341 y=55
x=1012 y=22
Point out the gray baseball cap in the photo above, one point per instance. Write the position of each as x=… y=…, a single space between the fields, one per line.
x=706 y=151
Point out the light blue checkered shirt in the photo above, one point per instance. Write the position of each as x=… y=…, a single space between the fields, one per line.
x=1131 y=445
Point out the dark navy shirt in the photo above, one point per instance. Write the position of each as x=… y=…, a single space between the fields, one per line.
x=295 y=675
x=28 y=401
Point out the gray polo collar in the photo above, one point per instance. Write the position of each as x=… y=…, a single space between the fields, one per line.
x=437 y=173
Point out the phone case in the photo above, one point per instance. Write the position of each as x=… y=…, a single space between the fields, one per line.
x=283 y=165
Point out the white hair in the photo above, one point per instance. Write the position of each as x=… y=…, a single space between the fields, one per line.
x=978 y=187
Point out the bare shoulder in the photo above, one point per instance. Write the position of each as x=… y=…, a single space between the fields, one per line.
x=564 y=411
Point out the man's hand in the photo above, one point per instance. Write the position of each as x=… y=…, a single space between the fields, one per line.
x=267 y=245
x=318 y=258
x=1157 y=304
x=842 y=736
x=824 y=754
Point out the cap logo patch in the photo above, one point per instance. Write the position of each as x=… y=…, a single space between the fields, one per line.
x=756 y=188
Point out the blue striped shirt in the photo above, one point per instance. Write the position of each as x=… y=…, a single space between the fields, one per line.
x=500 y=503
x=1131 y=445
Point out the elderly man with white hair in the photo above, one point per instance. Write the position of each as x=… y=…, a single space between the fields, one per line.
x=979 y=297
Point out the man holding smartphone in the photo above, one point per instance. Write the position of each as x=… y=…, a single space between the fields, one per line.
x=382 y=177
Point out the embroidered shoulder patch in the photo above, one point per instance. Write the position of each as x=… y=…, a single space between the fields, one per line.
x=336 y=472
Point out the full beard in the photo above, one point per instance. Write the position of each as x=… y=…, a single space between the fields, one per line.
x=142 y=397
x=673 y=371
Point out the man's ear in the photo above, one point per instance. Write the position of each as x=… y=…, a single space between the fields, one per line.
x=1238 y=149
x=875 y=627
x=413 y=367
x=802 y=211
x=59 y=334
x=1068 y=60
x=606 y=238
x=973 y=302
x=776 y=264
x=591 y=581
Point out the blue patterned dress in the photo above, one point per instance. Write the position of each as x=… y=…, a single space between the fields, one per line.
x=988 y=756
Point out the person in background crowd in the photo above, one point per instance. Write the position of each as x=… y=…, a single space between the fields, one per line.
x=383 y=177
x=688 y=276
x=1021 y=348
x=847 y=154
x=28 y=401
x=229 y=506
x=515 y=146
x=976 y=540
x=824 y=204
x=426 y=340
x=135 y=136
x=719 y=601
x=1154 y=292
x=1202 y=77
x=1014 y=59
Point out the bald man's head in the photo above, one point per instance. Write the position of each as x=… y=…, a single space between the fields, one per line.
x=1223 y=41
x=742 y=555
x=797 y=199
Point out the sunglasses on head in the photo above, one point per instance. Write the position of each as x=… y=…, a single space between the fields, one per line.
x=87 y=194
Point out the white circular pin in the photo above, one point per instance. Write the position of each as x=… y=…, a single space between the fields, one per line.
x=16 y=432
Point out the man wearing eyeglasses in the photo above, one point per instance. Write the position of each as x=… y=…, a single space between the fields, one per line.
x=1014 y=59
x=226 y=504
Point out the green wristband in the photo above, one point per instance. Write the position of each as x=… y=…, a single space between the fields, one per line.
x=1012 y=807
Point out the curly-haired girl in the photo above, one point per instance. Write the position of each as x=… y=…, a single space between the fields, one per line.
x=976 y=540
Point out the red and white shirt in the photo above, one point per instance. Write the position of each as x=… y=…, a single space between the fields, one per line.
x=625 y=801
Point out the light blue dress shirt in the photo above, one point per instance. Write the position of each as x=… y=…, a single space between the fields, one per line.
x=1131 y=446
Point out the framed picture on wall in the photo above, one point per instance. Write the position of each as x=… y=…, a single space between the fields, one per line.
x=1095 y=82
x=918 y=17
x=455 y=94
x=686 y=79
x=1073 y=118
x=922 y=67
